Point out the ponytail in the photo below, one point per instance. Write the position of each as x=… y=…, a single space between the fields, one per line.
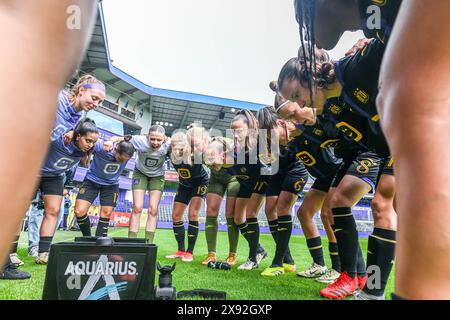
x=87 y=81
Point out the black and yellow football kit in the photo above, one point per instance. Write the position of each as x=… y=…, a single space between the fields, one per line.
x=291 y=176
x=358 y=75
x=387 y=166
x=358 y=159
x=251 y=175
x=314 y=147
x=378 y=17
x=193 y=182
x=247 y=168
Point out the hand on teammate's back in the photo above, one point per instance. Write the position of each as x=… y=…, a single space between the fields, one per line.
x=68 y=136
x=359 y=45
x=107 y=146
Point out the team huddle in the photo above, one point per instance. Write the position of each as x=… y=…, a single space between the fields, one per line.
x=325 y=125
x=268 y=156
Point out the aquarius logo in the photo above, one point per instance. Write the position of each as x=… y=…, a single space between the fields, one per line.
x=102 y=268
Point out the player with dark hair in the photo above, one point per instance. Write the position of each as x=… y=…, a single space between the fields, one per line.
x=325 y=21
x=60 y=159
x=102 y=179
x=315 y=145
x=345 y=95
x=283 y=188
x=420 y=270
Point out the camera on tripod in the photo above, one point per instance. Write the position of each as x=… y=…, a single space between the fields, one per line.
x=164 y=289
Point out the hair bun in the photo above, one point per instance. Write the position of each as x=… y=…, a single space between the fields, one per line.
x=273 y=86
x=327 y=74
x=89 y=120
x=127 y=137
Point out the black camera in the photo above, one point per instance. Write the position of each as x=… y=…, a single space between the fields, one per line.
x=164 y=290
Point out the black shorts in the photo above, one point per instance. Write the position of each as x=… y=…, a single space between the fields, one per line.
x=366 y=166
x=387 y=165
x=52 y=186
x=261 y=185
x=90 y=190
x=323 y=183
x=185 y=193
x=246 y=188
x=293 y=183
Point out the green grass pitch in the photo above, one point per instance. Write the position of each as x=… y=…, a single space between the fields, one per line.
x=239 y=285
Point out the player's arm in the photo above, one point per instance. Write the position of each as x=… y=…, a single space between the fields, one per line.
x=38 y=54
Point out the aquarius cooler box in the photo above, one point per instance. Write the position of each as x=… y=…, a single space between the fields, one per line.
x=101 y=269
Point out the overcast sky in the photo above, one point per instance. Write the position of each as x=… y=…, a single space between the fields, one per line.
x=224 y=48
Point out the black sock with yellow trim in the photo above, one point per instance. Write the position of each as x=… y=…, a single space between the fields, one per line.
x=253 y=237
x=102 y=227
x=178 y=230
x=347 y=239
x=273 y=226
x=192 y=235
x=380 y=256
x=85 y=225
x=334 y=256
x=284 y=232
x=44 y=244
x=360 y=263
x=316 y=250
x=243 y=228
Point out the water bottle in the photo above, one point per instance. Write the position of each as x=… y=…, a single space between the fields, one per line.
x=219 y=265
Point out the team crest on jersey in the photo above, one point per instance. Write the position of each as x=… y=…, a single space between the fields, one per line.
x=335 y=109
x=184 y=173
x=243 y=169
x=318 y=132
x=82 y=191
x=306 y=158
x=349 y=131
x=64 y=163
x=361 y=95
x=151 y=162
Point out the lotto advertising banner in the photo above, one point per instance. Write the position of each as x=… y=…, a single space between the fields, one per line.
x=171 y=176
x=120 y=219
x=124 y=270
x=117 y=219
